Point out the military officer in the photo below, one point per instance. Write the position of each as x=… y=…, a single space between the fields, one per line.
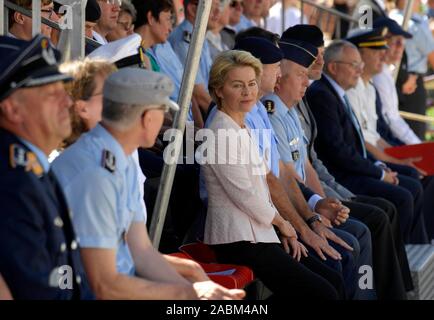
x=39 y=257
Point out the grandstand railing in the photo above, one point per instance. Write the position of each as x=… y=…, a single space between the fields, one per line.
x=186 y=91
x=327 y=19
x=71 y=40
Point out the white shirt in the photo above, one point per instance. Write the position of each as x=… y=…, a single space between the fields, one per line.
x=99 y=38
x=362 y=100
x=385 y=85
x=274 y=19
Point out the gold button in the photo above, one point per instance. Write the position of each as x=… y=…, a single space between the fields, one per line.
x=78 y=279
x=73 y=245
x=63 y=247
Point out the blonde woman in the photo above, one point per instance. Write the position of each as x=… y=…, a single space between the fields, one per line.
x=241 y=218
x=86 y=93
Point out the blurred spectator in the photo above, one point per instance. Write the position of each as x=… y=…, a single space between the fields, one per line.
x=419 y=52
x=86 y=93
x=235 y=12
x=252 y=15
x=125 y=23
x=214 y=35
x=292 y=16
x=20 y=26
x=178 y=11
x=108 y=20
x=153 y=24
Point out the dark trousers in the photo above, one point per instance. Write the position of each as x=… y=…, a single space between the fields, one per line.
x=413 y=184
x=388 y=254
x=363 y=255
x=415 y=102
x=402 y=198
x=284 y=276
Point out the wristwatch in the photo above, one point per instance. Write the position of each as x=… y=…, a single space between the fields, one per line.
x=311 y=220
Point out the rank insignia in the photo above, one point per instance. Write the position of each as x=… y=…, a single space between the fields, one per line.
x=269 y=106
x=17 y=156
x=108 y=160
x=295 y=155
x=187 y=36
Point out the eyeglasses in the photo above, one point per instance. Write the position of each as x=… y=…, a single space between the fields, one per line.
x=354 y=65
x=49 y=11
x=112 y=2
x=235 y=4
x=126 y=25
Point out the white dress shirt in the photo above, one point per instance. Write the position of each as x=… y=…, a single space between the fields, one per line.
x=362 y=100
x=385 y=85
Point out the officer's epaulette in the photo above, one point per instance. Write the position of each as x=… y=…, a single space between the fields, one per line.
x=186 y=36
x=269 y=106
x=19 y=157
x=108 y=160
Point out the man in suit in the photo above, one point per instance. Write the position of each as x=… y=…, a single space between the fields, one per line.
x=389 y=258
x=340 y=140
x=39 y=256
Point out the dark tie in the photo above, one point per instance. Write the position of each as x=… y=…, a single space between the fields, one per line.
x=356 y=124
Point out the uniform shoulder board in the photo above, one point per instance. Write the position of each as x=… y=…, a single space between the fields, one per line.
x=20 y=157
x=187 y=36
x=108 y=160
x=269 y=106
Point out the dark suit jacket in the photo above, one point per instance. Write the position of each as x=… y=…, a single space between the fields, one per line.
x=337 y=144
x=36 y=233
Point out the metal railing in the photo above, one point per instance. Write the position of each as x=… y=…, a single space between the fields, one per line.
x=71 y=41
x=330 y=16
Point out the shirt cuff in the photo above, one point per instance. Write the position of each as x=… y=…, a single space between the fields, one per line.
x=383 y=173
x=380 y=164
x=313 y=200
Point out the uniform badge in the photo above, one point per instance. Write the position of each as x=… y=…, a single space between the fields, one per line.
x=17 y=156
x=269 y=106
x=108 y=160
x=47 y=52
x=295 y=155
x=186 y=36
x=20 y=157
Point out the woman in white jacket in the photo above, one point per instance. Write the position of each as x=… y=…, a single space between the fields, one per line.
x=241 y=218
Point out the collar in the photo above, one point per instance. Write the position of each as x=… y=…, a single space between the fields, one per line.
x=40 y=155
x=111 y=144
x=336 y=86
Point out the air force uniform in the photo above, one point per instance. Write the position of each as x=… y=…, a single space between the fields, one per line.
x=100 y=180
x=39 y=252
x=180 y=40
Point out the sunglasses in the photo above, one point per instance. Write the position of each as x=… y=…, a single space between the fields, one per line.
x=235 y=4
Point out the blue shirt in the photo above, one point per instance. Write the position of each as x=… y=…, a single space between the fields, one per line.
x=263 y=132
x=104 y=203
x=244 y=24
x=292 y=144
x=180 y=40
x=420 y=46
x=171 y=66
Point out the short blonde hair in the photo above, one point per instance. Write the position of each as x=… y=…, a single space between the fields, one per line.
x=227 y=61
x=82 y=87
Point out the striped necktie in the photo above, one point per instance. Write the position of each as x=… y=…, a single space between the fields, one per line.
x=356 y=124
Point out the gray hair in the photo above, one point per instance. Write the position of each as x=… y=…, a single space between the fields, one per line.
x=128 y=7
x=120 y=115
x=335 y=50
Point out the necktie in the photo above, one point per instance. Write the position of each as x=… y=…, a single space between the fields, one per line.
x=356 y=124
